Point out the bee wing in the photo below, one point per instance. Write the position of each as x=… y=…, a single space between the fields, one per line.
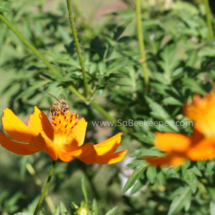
x=53 y=97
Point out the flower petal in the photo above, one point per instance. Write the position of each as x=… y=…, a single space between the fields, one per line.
x=65 y=157
x=17 y=148
x=79 y=131
x=42 y=142
x=67 y=153
x=108 y=146
x=39 y=122
x=88 y=154
x=17 y=129
x=168 y=160
x=202 y=150
x=169 y=142
x=111 y=158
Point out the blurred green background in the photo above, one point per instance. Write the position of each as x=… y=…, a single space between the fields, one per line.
x=180 y=60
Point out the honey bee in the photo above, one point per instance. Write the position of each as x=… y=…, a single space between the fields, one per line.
x=60 y=105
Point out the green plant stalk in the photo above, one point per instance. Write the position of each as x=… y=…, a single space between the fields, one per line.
x=85 y=24
x=28 y=44
x=45 y=189
x=77 y=45
x=57 y=73
x=141 y=43
x=48 y=199
x=208 y=17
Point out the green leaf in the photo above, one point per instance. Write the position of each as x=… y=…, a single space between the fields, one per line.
x=154 y=152
x=185 y=6
x=193 y=85
x=196 y=171
x=32 y=88
x=212 y=208
x=172 y=101
x=161 y=178
x=63 y=210
x=94 y=208
x=151 y=173
x=57 y=211
x=112 y=211
x=4 y=7
x=206 y=51
x=135 y=176
x=212 y=193
x=136 y=163
x=169 y=62
x=159 y=113
x=115 y=66
x=210 y=168
x=189 y=177
x=137 y=186
x=145 y=138
x=120 y=29
x=180 y=200
x=157 y=110
x=84 y=190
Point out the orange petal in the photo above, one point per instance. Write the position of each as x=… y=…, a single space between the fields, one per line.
x=67 y=154
x=108 y=146
x=17 y=129
x=65 y=157
x=42 y=142
x=169 y=142
x=39 y=122
x=111 y=158
x=168 y=160
x=88 y=154
x=79 y=131
x=202 y=150
x=17 y=148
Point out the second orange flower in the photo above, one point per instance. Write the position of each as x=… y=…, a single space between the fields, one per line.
x=199 y=146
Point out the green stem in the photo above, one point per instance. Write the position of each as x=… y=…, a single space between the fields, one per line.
x=28 y=44
x=75 y=37
x=208 y=17
x=48 y=199
x=141 y=43
x=45 y=189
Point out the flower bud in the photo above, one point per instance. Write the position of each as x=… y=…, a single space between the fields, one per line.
x=83 y=211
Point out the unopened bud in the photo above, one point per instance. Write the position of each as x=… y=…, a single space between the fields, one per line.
x=83 y=211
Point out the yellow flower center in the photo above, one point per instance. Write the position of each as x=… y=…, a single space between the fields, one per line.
x=63 y=123
x=202 y=112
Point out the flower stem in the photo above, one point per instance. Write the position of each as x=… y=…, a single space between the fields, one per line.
x=28 y=44
x=141 y=43
x=48 y=199
x=208 y=17
x=45 y=189
x=75 y=37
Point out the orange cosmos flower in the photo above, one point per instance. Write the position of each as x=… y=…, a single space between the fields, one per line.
x=62 y=139
x=199 y=146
